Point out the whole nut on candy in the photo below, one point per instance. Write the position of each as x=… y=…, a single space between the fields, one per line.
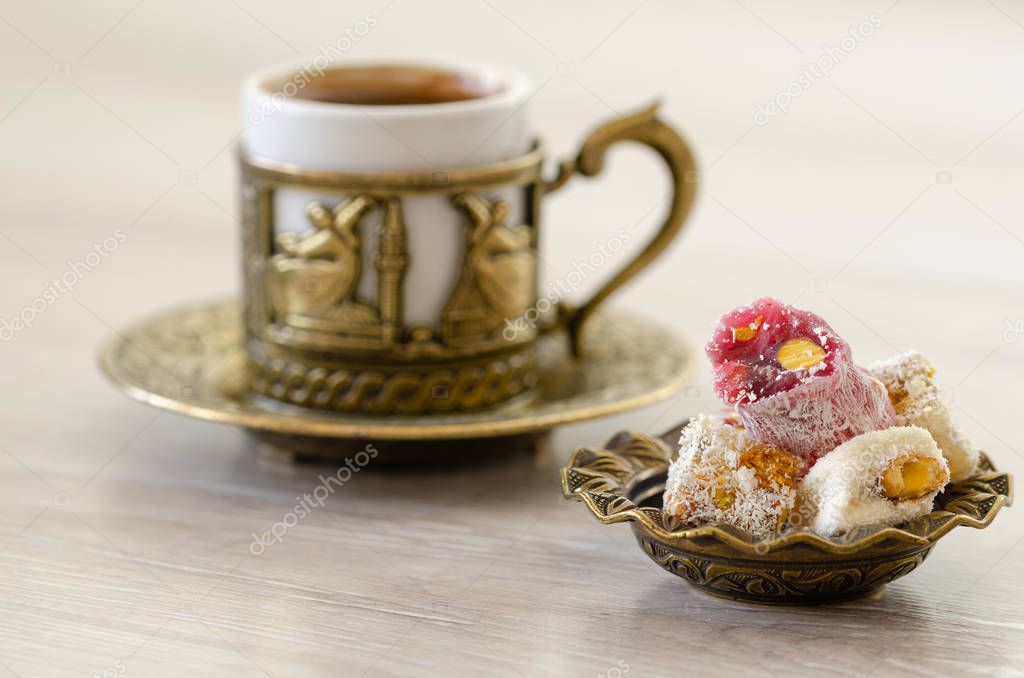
x=912 y=477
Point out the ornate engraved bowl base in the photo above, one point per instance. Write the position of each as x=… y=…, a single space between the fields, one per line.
x=791 y=581
x=787 y=583
x=191 y=361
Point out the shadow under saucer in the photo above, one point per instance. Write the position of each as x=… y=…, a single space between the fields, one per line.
x=406 y=454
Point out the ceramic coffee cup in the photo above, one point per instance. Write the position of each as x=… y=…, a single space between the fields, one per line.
x=390 y=217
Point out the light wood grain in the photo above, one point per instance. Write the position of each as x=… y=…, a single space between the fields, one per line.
x=125 y=534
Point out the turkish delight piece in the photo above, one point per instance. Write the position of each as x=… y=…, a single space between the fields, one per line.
x=768 y=348
x=723 y=476
x=792 y=379
x=883 y=477
x=915 y=398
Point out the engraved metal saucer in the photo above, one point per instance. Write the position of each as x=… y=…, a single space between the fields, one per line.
x=191 y=361
x=624 y=482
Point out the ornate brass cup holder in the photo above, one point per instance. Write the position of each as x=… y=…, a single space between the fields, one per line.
x=192 y=361
x=316 y=338
x=624 y=481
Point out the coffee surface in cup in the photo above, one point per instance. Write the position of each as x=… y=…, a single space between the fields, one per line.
x=393 y=86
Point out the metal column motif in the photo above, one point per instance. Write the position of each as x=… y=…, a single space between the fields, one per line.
x=391 y=260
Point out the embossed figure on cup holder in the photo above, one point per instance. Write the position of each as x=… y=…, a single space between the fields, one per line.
x=498 y=268
x=313 y=279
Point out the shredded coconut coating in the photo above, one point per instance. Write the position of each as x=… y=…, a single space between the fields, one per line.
x=821 y=412
x=843 y=491
x=908 y=379
x=723 y=476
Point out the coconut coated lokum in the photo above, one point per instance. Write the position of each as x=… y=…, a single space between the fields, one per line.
x=723 y=476
x=877 y=478
x=915 y=398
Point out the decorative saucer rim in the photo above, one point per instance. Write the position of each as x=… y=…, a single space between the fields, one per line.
x=259 y=414
x=602 y=477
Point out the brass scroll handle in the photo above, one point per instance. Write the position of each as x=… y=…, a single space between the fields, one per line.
x=645 y=128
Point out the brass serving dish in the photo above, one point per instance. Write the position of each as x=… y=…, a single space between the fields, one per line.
x=624 y=481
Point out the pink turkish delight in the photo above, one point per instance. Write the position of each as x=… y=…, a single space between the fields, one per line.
x=793 y=381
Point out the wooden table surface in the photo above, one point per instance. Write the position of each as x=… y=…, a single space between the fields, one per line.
x=887 y=198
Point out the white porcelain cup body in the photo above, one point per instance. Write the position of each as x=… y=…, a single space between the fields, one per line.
x=283 y=126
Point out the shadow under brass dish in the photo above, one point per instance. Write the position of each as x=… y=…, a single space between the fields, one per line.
x=191 y=361
x=624 y=481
